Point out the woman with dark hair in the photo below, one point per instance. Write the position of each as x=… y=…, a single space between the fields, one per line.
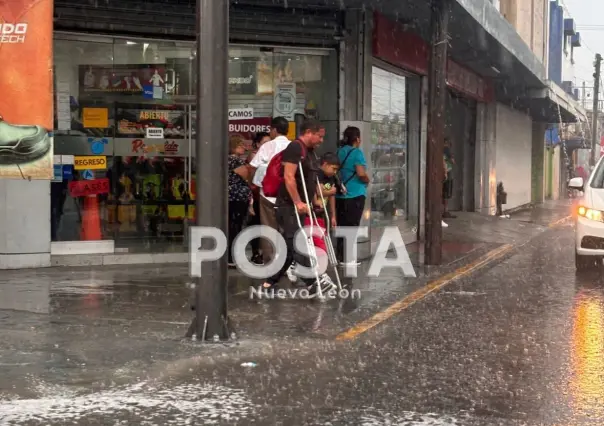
x=239 y=192
x=350 y=202
x=259 y=139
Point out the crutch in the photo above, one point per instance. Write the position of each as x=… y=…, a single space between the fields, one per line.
x=314 y=260
x=333 y=260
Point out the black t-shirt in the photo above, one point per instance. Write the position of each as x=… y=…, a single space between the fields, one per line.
x=310 y=167
x=326 y=182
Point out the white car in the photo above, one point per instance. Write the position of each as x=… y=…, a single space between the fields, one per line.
x=589 y=219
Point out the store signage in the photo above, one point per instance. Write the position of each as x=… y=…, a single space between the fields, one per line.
x=26 y=86
x=153 y=115
x=58 y=173
x=12 y=33
x=67 y=172
x=92 y=162
x=285 y=101
x=140 y=147
x=95 y=118
x=88 y=174
x=241 y=80
x=407 y=50
x=155 y=133
x=466 y=81
x=97 y=146
x=241 y=113
x=82 y=188
x=246 y=127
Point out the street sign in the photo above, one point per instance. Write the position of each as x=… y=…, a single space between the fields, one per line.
x=82 y=188
x=88 y=174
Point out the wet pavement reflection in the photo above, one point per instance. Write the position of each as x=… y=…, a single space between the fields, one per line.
x=519 y=343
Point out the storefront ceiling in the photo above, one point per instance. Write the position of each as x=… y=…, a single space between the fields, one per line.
x=250 y=21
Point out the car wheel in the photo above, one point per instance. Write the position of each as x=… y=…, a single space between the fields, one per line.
x=583 y=263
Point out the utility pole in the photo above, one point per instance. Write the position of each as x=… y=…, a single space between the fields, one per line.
x=595 y=113
x=584 y=94
x=211 y=150
x=436 y=130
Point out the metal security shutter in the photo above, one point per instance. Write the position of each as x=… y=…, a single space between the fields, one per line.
x=261 y=21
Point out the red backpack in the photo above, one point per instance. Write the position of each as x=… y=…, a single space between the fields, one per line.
x=274 y=172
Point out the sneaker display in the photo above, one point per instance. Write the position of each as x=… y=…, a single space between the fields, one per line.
x=22 y=144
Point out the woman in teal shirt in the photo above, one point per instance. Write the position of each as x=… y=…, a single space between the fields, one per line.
x=353 y=175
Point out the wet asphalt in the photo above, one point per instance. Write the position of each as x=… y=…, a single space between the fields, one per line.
x=520 y=342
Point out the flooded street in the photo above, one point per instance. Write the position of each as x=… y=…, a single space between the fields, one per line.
x=518 y=342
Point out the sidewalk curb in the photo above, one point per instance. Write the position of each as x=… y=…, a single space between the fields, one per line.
x=435 y=285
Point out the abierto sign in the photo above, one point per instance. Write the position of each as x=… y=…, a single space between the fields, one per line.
x=26 y=85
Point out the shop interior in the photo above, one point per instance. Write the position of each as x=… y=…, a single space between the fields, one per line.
x=395 y=142
x=132 y=102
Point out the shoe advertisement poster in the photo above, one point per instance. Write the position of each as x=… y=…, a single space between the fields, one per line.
x=26 y=103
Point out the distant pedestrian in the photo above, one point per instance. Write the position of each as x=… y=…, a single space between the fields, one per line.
x=239 y=193
x=448 y=182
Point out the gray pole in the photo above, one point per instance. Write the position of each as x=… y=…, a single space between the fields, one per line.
x=584 y=92
x=211 y=150
x=595 y=113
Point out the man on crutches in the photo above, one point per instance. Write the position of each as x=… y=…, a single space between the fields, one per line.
x=295 y=198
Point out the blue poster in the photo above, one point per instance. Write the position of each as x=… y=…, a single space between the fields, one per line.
x=148 y=91
x=67 y=172
x=58 y=173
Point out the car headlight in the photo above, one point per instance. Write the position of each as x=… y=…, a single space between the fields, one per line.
x=590 y=213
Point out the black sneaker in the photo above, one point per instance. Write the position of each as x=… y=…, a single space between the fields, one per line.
x=22 y=144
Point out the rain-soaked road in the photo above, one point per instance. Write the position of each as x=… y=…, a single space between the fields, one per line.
x=521 y=342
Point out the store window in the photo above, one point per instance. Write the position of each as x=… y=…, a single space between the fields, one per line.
x=394 y=130
x=125 y=130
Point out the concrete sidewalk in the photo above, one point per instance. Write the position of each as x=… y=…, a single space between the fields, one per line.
x=102 y=325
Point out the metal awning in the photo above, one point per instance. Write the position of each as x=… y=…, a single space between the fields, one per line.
x=543 y=105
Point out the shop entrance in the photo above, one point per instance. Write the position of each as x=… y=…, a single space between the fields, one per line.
x=461 y=133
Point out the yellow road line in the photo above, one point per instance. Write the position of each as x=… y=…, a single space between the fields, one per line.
x=560 y=221
x=421 y=293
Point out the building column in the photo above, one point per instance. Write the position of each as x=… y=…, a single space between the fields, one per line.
x=485 y=187
x=24 y=223
x=355 y=94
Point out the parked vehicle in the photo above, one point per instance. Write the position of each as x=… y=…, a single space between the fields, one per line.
x=589 y=218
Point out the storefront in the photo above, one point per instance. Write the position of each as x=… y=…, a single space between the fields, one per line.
x=395 y=153
x=460 y=131
x=399 y=126
x=125 y=130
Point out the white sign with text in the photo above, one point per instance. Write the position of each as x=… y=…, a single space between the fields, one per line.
x=241 y=113
x=155 y=133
